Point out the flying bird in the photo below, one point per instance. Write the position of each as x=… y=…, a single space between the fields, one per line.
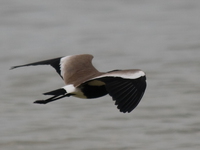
x=83 y=80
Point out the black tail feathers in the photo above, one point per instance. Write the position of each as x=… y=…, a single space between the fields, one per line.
x=60 y=91
x=57 y=94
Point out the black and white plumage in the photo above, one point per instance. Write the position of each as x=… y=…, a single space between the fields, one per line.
x=82 y=80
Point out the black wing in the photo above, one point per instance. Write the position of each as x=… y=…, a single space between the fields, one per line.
x=126 y=93
x=55 y=63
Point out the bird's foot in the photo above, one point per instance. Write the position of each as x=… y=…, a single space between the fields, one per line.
x=40 y=102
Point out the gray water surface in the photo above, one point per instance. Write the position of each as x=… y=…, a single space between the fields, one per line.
x=160 y=37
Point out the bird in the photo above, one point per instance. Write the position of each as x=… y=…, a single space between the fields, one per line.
x=83 y=80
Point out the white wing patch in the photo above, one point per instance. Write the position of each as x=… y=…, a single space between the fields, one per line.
x=135 y=75
x=63 y=61
x=126 y=74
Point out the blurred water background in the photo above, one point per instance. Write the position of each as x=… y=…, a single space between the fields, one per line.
x=158 y=36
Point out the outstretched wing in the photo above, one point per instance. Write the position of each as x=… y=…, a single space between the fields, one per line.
x=125 y=87
x=126 y=93
x=73 y=69
x=55 y=63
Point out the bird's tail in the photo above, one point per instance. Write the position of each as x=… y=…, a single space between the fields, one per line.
x=57 y=94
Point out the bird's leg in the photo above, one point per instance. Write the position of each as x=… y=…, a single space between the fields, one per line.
x=51 y=99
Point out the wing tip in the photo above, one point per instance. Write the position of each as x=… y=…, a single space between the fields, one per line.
x=13 y=67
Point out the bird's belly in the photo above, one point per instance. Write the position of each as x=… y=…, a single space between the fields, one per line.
x=88 y=91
